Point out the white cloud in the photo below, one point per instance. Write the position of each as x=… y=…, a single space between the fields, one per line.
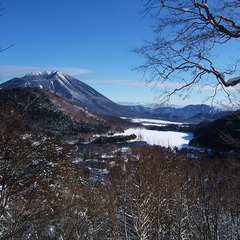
x=7 y=71
x=122 y=82
x=136 y=83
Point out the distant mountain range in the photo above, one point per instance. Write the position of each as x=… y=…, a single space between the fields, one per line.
x=75 y=90
x=191 y=112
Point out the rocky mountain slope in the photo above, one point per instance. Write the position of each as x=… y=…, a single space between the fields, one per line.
x=72 y=89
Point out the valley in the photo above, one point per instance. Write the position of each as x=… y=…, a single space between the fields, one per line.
x=156 y=132
x=71 y=172
x=58 y=104
x=65 y=106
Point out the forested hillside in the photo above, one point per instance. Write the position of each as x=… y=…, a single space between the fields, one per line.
x=49 y=192
x=220 y=135
x=39 y=110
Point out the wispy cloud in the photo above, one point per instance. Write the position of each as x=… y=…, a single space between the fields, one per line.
x=8 y=71
x=136 y=83
x=111 y=81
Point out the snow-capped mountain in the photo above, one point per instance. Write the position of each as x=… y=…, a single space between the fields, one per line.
x=72 y=89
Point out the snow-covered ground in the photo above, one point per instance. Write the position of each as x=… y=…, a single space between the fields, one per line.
x=153 y=122
x=162 y=138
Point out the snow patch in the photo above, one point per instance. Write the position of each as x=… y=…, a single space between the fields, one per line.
x=232 y=80
x=35 y=73
x=60 y=75
x=77 y=160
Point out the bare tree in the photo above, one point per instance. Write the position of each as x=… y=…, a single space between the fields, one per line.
x=187 y=33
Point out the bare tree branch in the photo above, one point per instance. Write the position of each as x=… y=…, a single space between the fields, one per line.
x=186 y=33
x=6 y=48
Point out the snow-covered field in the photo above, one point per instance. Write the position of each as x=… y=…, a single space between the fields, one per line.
x=162 y=138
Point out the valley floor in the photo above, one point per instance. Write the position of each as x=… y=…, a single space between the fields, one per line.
x=161 y=138
x=156 y=137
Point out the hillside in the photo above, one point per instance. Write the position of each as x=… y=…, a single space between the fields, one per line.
x=39 y=110
x=221 y=134
x=72 y=89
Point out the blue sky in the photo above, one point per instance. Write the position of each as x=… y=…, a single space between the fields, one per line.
x=88 y=39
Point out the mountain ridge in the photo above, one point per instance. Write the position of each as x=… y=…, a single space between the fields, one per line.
x=191 y=112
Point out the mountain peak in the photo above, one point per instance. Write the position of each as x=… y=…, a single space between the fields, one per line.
x=45 y=74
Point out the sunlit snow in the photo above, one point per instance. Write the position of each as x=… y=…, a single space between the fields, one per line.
x=162 y=138
x=232 y=80
x=146 y=121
